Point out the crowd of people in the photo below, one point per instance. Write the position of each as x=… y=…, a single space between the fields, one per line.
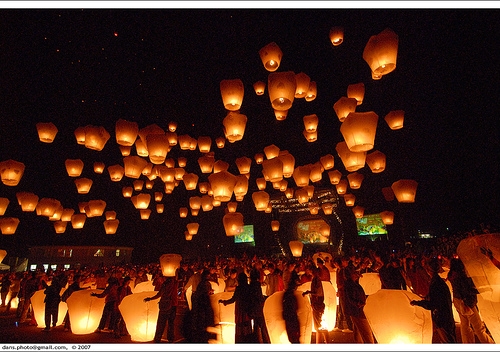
x=253 y=279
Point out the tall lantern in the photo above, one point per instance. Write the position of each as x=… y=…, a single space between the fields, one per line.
x=352 y=161
x=222 y=184
x=11 y=172
x=158 y=147
x=126 y=132
x=344 y=106
x=96 y=137
x=395 y=119
x=334 y=176
x=272 y=169
x=133 y=166
x=387 y=217
x=240 y=187
x=288 y=161
x=170 y=263
x=204 y=144
x=195 y=202
x=234 y=126
x=260 y=200
x=296 y=248
x=275 y=225
x=83 y=185
x=311 y=92
x=8 y=225
x=160 y=208
x=281 y=88
x=99 y=167
x=355 y=180
x=80 y=135
x=303 y=81
x=221 y=142
x=394 y=321
x=356 y=91
x=405 y=190
x=233 y=223
x=271 y=56
x=376 y=161
x=301 y=175
x=259 y=87
x=46 y=131
x=116 y=172
x=359 y=129
x=316 y=172
x=206 y=163
x=4 y=203
x=140 y=317
x=327 y=161
x=232 y=92
x=141 y=148
x=341 y=186
x=381 y=52
x=74 y=167
x=110 y=226
x=336 y=35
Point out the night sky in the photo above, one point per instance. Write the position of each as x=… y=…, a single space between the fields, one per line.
x=77 y=67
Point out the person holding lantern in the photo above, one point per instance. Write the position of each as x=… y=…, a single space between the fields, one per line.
x=317 y=297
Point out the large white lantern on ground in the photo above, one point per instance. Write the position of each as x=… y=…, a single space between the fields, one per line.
x=329 y=317
x=85 y=311
x=140 y=317
x=37 y=302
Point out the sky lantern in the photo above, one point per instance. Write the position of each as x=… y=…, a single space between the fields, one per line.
x=125 y=150
x=195 y=202
x=96 y=137
x=334 y=176
x=272 y=169
x=27 y=200
x=193 y=228
x=327 y=208
x=47 y=206
x=316 y=172
x=243 y=163
x=111 y=226
x=127 y=191
x=356 y=91
x=387 y=217
x=171 y=138
x=352 y=161
x=220 y=165
x=381 y=52
x=225 y=327
x=95 y=207
x=395 y=119
x=259 y=87
x=116 y=172
x=158 y=147
x=46 y=131
x=310 y=136
x=234 y=126
x=138 y=185
x=474 y=253
x=296 y=248
x=149 y=184
x=60 y=226
x=302 y=80
x=167 y=174
x=271 y=56
x=99 y=167
x=222 y=184
x=359 y=129
x=160 y=208
x=145 y=213
x=302 y=195
x=78 y=220
x=344 y=106
x=394 y=321
x=349 y=199
x=260 y=200
x=141 y=200
x=67 y=213
x=310 y=122
x=85 y=311
x=271 y=151
x=275 y=225
x=280 y=114
x=126 y=132
x=183 y=211
x=233 y=223
x=172 y=126
x=405 y=190
x=184 y=141
x=204 y=144
x=355 y=180
x=259 y=158
x=370 y=282
x=4 y=203
x=140 y=317
x=187 y=236
x=206 y=202
x=82 y=206
x=206 y=163
x=327 y=161
x=261 y=183
x=169 y=264
x=190 y=181
x=8 y=225
x=232 y=206
x=80 y=135
x=232 y=92
x=57 y=214
x=312 y=91
x=74 y=167
x=329 y=318
x=288 y=161
x=336 y=35
x=133 y=166
x=203 y=187
x=220 y=142
x=241 y=186
x=376 y=161
x=301 y=175
x=281 y=89
x=358 y=211
x=83 y=185
x=148 y=130
x=141 y=148
x=110 y=215
x=341 y=186
x=313 y=208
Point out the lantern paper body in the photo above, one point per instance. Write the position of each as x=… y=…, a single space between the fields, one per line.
x=11 y=172
x=381 y=52
x=232 y=92
x=233 y=223
x=46 y=131
x=370 y=282
x=140 y=317
x=296 y=248
x=271 y=56
x=405 y=190
x=486 y=277
x=234 y=126
x=393 y=320
x=143 y=287
x=281 y=89
x=273 y=316
x=170 y=263
x=336 y=35
x=329 y=317
x=3 y=254
x=352 y=161
x=8 y=225
x=85 y=311
x=359 y=129
x=37 y=302
x=126 y=132
x=223 y=317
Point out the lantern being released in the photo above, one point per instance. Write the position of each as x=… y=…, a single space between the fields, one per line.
x=232 y=92
x=140 y=317
x=381 y=52
x=296 y=248
x=393 y=320
x=223 y=318
x=170 y=263
x=329 y=317
x=271 y=56
x=38 y=304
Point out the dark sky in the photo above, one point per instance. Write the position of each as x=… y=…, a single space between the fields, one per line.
x=78 y=67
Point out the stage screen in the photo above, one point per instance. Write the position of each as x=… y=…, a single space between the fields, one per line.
x=310 y=231
x=246 y=236
x=371 y=225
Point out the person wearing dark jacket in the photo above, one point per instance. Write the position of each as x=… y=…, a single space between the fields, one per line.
x=110 y=295
x=52 y=300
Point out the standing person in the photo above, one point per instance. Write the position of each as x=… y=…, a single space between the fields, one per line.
x=290 y=308
x=167 y=309
x=418 y=277
x=231 y=281
x=110 y=295
x=123 y=290
x=202 y=312
x=317 y=297
x=343 y=320
x=465 y=301
x=324 y=273
x=241 y=298
x=391 y=276
x=438 y=301
x=4 y=291
x=15 y=287
x=30 y=288
x=287 y=272
x=272 y=280
x=355 y=301
x=256 y=309
x=52 y=300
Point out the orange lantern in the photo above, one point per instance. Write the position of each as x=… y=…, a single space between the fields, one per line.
x=231 y=206
x=145 y=213
x=193 y=228
x=327 y=161
x=405 y=190
x=95 y=207
x=336 y=35
x=141 y=148
x=60 y=226
x=140 y=317
x=355 y=179
x=206 y=203
x=78 y=220
x=127 y=192
x=190 y=181
x=310 y=122
x=27 y=200
x=74 y=167
x=289 y=193
x=149 y=184
x=327 y=208
x=138 y=185
x=110 y=226
x=275 y=225
x=349 y=199
x=381 y=52
x=141 y=200
x=358 y=211
x=302 y=195
x=352 y=161
x=80 y=135
x=310 y=136
x=195 y=202
x=334 y=176
x=271 y=151
x=271 y=56
x=67 y=213
x=126 y=132
x=169 y=264
x=222 y=184
x=85 y=311
x=184 y=141
x=376 y=161
x=160 y=208
x=261 y=183
x=241 y=186
x=125 y=150
x=272 y=169
x=220 y=165
x=183 y=211
x=259 y=87
x=221 y=142
x=110 y=215
x=281 y=88
x=233 y=223
x=172 y=138
x=206 y=163
x=234 y=126
x=280 y=114
x=311 y=92
x=316 y=172
x=259 y=158
x=4 y=203
x=82 y=206
x=83 y=185
x=133 y=166
x=288 y=161
x=387 y=217
x=302 y=81
x=57 y=214
x=296 y=248
x=356 y=91
x=260 y=200
x=243 y=163
x=187 y=236
x=395 y=119
x=38 y=305
x=313 y=208
x=46 y=131
x=99 y=167
x=96 y=137
x=47 y=207
x=148 y=130
x=341 y=186
x=8 y=225
x=344 y=106
x=359 y=129
x=158 y=146
x=11 y=172
x=204 y=144
x=232 y=92
x=301 y=175
x=116 y=172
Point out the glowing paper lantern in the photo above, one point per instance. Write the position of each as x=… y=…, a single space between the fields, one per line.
x=341 y=186
x=358 y=211
x=260 y=200
x=158 y=147
x=138 y=184
x=296 y=248
x=27 y=200
x=312 y=91
x=96 y=137
x=133 y=166
x=327 y=208
x=310 y=122
x=46 y=131
x=288 y=161
x=172 y=138
x=125 y=150
x=355 y=180
x=192 y=228
x=359 y=129
x=126 y=132
x=281 y=88
x=387 y=217
x=327 y=161
x=329 y=317
x=316 y=172
x=259 y=87
x=232 y=92
x=206 y=202
x=170 y=263
x=243 y=163
x=220 y=165
x=141 y=148
x=140 y=317
x=344 y=106
x=4 y=203
x=272 y=169
x=280 y=114
x=223 y=319
x=233 y=223
x=336 y=35
x=67 y=213
x=234 y=126
x=271 y=56
x=356 y=91
x=37 y=302
x=405 y=190
x=8 y=225
x=141 y=200
x=78 y=220
x=273 y=316
x=381 y=52
x=349 y=199
x=3 y=254
x=485 y=276
x=302 y=80
x=47 y=206
x=83 y=185
x=110 y=226
x=116 y=172
x=301 y=175
x=275 y=225
x=222 y=184
x=352 y=161
x=99 y=167
x=395 y=119
x=394 y=321
x=127 y=191
x=183 y=211
x=60 y=226
x=221 y=142
x=204 y=144
x=57 y=214
x=80 y=135
x=334 y=176
x=74 y=167
x=302 y=196
x=206 y=164
x=376 y=161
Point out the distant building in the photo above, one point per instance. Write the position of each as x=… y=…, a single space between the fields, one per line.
x=68 y=257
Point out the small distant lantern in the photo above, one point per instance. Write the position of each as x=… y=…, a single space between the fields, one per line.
x=8 y=225
x=111 y=226
x=289 y=193
x=312 y=91
x=148 y=171
x=127 y=191
x=172 y=138
x=280 y=114
x=96 y=137
x=172 y=126
x=381 y=52
x=260 y=200
x=74 y=167
x=149 y=184
x=356 y=91
x=203 y=187
x=395 y=119
x=220 y=142
x=355 y=179
x=232 y=92
x=341 y=186
x=271 y=56
x=232 y=206
x=27 y=200
x=193 y=228
x=376 y=161
x=222 y=184
x=158 y=196
x=95 y=207
x=67 y=213
x=133 y=166
x=126 y=132
x=243 y=163
x=405 y=190
x=387 y=217
x=99 y=167
x=296 y=248
x=313 y=208
x=336 y=35
x=310 y=122
x=241 y=186
x=207 y=202
x=195 y=202
x=301 y=175
x=169 y=264
x=334 y=176
x=190 y=181
x=60 y=226
x=302 y=80
x=359 y=129
x=259 y=158
x=141 y=148
x=233 y=223
x=145 y=213
x=281 y=88
x=310 y=136
x=327 y=161
x=183 y=211
x=352 y=161
x=110 y=215
x=275 y=225
x=46 y=131
x=57 y=214
x=184 y=141
x=141 y=200
x=138 y=185
x=220 y=165
x=47 y=206
x=261 y=183
x=78 y=220
x=388 y=193
x=344 y=106
x=188 y=236
x=204 y=144
x=125 y=150
x=160 y=208
x=234 y=126
x=116 y=172
x=271 y=151
x=259 y=87
x=327 y=208
x=4 y=203
x=80 y=135
x=358 y=211
x=316 y=172
x=82 y=206
x=206 y=163
x=302 y=196
x=349 y=199
x=83 y=185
